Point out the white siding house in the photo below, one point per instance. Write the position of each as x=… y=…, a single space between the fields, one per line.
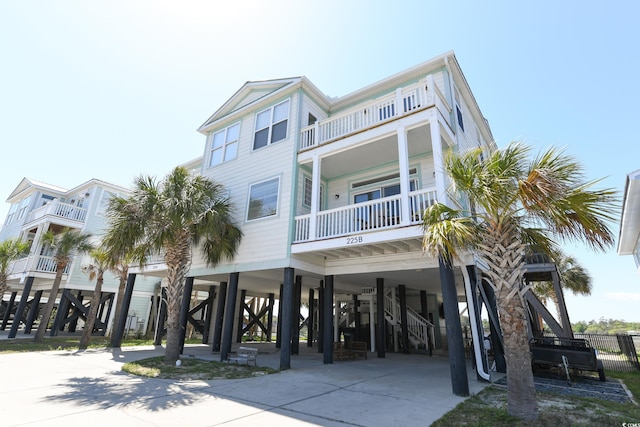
x=36 y=208
x=335 y=188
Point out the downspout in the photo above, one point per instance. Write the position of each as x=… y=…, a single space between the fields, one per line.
x=474 y=326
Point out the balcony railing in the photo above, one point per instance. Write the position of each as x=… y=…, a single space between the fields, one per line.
x=375 y=215
x=403 y=101
x=58 y=209
x=40 y=264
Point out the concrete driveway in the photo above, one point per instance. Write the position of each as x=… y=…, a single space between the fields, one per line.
x=87 y=388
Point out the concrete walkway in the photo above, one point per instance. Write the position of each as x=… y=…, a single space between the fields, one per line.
x=87 y=388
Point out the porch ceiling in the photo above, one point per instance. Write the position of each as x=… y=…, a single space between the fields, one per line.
x=375 y=153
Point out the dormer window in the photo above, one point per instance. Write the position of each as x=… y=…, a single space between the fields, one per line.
x=271 y=125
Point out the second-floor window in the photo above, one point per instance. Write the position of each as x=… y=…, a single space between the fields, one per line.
x=271 y=125
x=263 y=199
x=306 y=194
x=224 y=145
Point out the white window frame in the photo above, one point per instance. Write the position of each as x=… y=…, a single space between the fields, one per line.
x=305 y=193
x=249 y=199
x=225 y=144
x=24 y=206
x=272 y=123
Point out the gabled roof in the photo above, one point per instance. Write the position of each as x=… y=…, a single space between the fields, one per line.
x=248 y=94
x=27 y=183
x=630 y=220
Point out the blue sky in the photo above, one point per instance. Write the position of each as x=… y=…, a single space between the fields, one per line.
x=113 y=89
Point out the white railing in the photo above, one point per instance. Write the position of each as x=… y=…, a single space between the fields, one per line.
x=375 y=215
x=47 y=264
x=417 y=326
x=58 y=209
x=403 y=101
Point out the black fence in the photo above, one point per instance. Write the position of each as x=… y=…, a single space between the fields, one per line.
x=617 y=352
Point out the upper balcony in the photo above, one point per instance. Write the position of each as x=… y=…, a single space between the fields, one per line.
x=64 y=213
x=406 y=100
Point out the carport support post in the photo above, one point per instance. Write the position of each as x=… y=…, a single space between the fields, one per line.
x=295 y=318
x=7 y=312
x=457 y=363
x=162 y=316
x=356 y=316
x=229 y=313
x=272 y=298
x=496 y=344
x=118 y=332
x=33 y=313
x=403 y=318
x=310 y=319
x=380 y=339
x=243 y=297
x=17 y=318
x=217 y=328
x=63 y=310
x=279 y=324
x=284 y=321
x=208 y=315
x=184 y=311
x=327 y=330
x=320 y=316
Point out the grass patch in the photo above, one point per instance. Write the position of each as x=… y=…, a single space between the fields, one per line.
x=489 y=408
x=68 y=343
x=193 y=369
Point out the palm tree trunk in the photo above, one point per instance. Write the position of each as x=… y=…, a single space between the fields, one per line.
x=48 y=308
x=3 y=284
x=93 y=313
x=504 y=254
x=177 y=259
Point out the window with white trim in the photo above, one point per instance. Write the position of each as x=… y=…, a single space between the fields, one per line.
x=24 y=205
x=306 y=193
x=263 y=199
x=224 y=145
x=12 y=213
x=271 y=125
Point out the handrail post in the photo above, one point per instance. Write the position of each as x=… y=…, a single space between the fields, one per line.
x=399 y=104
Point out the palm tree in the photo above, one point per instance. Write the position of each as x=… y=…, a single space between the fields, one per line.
x=64 y=246
x=573 y=276
x=10 y=250
x=101 y=261
x=170 y=218
x=515 y=202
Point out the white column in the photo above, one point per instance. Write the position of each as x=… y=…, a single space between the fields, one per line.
x=438 y=158
x=403 y=160
x=36 y=247
x=315 y=198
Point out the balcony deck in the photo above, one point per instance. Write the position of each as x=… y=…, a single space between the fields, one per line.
x=58 y=210
x=407 y=100
x=375 y=215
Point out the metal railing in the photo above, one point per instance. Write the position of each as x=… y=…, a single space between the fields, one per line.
x=617 y=352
